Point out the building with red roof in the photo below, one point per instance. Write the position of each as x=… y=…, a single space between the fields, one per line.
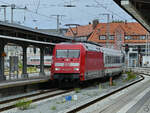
x=123 y=33
x=116 y=35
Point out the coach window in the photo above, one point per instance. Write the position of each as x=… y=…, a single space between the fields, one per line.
x=106 y=60
x=117 y=60
x=114 y=60
x=102 y=37
x=109 y=59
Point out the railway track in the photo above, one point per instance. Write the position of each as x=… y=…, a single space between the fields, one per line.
x=10 y=104
x=79 y=108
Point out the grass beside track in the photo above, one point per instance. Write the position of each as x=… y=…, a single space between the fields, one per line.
x=130 y=75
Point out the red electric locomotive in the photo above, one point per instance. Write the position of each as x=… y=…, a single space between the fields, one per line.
x=84 y=61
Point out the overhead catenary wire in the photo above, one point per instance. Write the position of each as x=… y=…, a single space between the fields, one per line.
x=38 y=5
x=28 y=10
x=36 y=12
x=106 y=8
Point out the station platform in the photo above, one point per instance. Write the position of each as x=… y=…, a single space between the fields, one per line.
x=33 y=78
x=22 y=82
x=22 y=85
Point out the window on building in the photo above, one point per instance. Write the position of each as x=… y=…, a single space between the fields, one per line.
x=111 y=37
x=102 y=37
x=128 y=37
x=142 y=37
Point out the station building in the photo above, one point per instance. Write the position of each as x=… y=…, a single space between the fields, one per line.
x=116 y=35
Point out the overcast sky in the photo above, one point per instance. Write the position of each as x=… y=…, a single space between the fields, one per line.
x=39 y=12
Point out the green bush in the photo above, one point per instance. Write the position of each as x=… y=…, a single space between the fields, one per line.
x=131 y=76
x=23 y=104
x=53 y=108
x=77 y=90
x=20 y=65
x=31 y=69
x=113 y=84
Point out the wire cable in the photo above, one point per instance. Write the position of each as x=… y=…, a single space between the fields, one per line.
x=49 y=17
x=106 y=8
x=38 y=5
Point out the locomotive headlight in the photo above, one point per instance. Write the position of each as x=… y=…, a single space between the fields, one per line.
x=57 y=69
x=59 y=64
x=74 y=64
x=76 y=69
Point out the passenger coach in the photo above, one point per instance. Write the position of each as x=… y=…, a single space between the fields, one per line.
x=84 y=61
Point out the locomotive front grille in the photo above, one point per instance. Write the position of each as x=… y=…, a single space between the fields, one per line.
x=66 y=76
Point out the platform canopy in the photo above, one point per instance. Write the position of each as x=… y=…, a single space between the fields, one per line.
x=18 y=33
x=138 y=9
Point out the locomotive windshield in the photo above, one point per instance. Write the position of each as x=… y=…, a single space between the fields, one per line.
x=67 y=53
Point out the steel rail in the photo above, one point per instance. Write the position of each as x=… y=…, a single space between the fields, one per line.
x=77 y=109
x=26 y=96
x=33 y=100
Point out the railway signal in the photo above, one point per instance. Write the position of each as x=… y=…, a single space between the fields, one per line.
x=126 y=48
x=139 y=49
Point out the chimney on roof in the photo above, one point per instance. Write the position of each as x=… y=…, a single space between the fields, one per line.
x=95 y=23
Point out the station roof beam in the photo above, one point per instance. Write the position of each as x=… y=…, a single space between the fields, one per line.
x=15 y=30
x=138 y=9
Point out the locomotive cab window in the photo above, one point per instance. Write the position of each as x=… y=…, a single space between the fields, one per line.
x=73 y=53
x=61 y=53
x=69 y=53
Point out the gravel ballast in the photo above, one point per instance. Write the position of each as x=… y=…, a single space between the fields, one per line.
x=60 y=105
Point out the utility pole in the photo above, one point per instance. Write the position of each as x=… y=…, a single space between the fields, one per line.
x=108 y=27
x=58 y=22
x=147 y=45
x=12 y=14
x=4 y=7
x=13 y=6
x=4 y=14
